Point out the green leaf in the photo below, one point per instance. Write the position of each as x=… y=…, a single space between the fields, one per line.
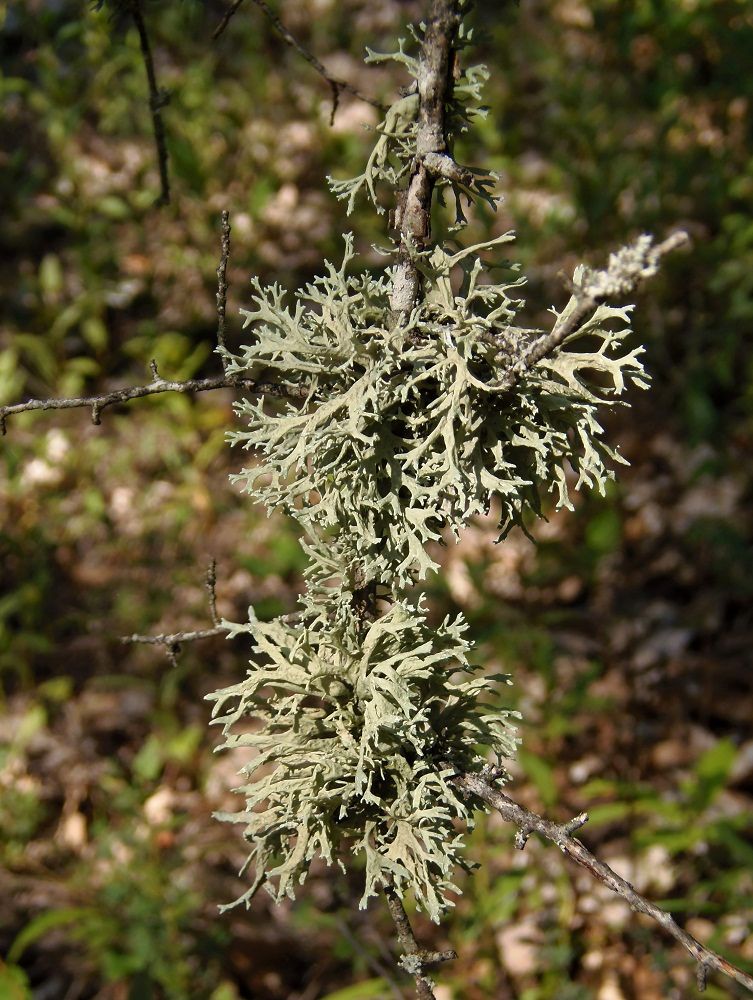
x=14 y=984
x=45 y=922
x=50 y=275
x=149 y=761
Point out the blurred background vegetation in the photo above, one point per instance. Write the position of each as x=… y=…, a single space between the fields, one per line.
x=627 y=627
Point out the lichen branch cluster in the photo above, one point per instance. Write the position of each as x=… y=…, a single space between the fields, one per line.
x=415 y=398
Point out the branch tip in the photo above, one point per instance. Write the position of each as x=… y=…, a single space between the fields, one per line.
x=576 y=823
x=221 y=296
x=211 y=586
x=521 y=838
x=336 y=85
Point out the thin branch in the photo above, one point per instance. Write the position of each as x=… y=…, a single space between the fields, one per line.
x=99 y=403
x=626 y=270
x=226 y=18
x=157 y=100
x=529 y=822
x=336 y=85
x=211 y=585
x=414 y=959
x=222 y=284
x=174 y=638
x=173 y=641
x=373 y=963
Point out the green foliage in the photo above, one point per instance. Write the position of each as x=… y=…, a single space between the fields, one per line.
x=14 y=984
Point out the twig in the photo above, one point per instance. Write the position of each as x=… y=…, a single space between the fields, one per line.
x=529 y=822
x=414 y=960
x=222 y=284
x=157 y=100
x=174 y=640
x=226 y=18
x=373 y=963
x=211 y=585
x=413 y=214
x=626 y=270
x=336 y=85
x=99 y=403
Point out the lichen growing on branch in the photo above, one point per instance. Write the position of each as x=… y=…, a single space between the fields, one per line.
x=355 y=729
x=401 y=425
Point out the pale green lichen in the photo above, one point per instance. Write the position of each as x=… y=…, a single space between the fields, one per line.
x=397 y=432
x=405 y=432
x=354 y=731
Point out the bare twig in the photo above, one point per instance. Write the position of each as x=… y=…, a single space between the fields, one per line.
x=415 y=959
x=529 y=822
x=226 y=18
x=222 y=283
x=173 y=642
x=626 y=270
x=373 y=963
x=174 y=638
x=211 y=585
x=413 y=214
x=99 y=403
x=336 y=85
x=157 y=100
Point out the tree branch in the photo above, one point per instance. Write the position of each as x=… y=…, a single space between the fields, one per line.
x=99 y=403
x=626 y=270
x=414 y=960
x=174 y=640
x=562 y=835
x=222 y=284
x=157 y=100
x=336 y=85
x=413 y=215
x=211 y=586
x=413 y=221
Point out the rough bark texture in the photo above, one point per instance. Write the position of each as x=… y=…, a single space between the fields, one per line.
x=413 y=216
